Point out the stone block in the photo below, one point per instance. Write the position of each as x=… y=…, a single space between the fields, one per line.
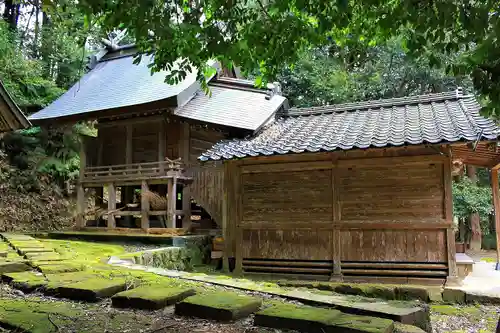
x=150 y=297
x=59 y=268
x=91 y=290
x=453 y=296
x=33 y=251
x=25 y=281
x=311 y=319
x=220 y=306
x=481 y=298
x=13 y=266
x=412 y=293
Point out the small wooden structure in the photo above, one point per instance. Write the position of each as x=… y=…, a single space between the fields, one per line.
x=11 y=118
x=358 y=192
x=149 y=136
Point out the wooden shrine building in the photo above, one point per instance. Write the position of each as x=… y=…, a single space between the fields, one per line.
x=11 y=118
x=149 y=136
x=358 y=191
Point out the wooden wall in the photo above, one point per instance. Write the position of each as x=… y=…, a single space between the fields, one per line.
x=152 y=139
x=386 y=207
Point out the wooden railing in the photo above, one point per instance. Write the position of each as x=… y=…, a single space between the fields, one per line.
x=133 y=171
x=207 y=188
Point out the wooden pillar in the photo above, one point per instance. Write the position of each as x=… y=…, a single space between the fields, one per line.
x=111 y=205
x=496 y=205
x=144 y=206
x=452 y=278
x=337 y=272
x=80 y=191
x=80 y=206
x=171 y=202
x=186 y=190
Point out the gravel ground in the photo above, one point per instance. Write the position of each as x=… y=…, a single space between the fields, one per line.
x=469 y=319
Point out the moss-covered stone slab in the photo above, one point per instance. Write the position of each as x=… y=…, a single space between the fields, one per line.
x=221 y=306
x=13 y=266
x=453 y=296
x=412 y=293
x=35 y=251
x=40 y=257
x=402 y=328
x=91 y=290
x=25 y=281
x=36 y=317
x=310 y=319
x=12 y=236
x=150 y=297
x=61 y=268
x=471 y=297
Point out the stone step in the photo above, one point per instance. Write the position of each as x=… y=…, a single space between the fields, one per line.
x=220 y=306
x=310 y=319
x=90 y=290
x=150 y=297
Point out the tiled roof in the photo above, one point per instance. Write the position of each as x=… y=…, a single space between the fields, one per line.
x=233 y=103
x=115 y=82
x=112 y=84
x=446 y=117
x=11 y=118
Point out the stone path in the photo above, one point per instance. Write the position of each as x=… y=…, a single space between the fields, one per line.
x=404 y=312
x=29 y=265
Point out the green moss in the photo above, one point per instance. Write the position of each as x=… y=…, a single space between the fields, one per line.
x=152 y=292
x=36 y=317
x=489 y=259
x=450 y=310
x=290 y=316
x=60 y=268
x=301 y=312
x=222 y=300
x=402 y=328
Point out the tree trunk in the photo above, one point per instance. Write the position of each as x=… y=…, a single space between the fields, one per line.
x=11 y=13
x=475 y=222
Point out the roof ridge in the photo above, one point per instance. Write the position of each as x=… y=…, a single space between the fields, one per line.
x=372 y=104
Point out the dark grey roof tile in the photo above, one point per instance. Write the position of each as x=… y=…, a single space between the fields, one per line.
x=445 y=117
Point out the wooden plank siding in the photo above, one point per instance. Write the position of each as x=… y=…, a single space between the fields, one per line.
x=386 y=208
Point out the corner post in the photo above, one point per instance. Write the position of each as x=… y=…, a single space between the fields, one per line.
x=80 y=191
x=452 y=279
x=171 y=201
x=111 y=205
x=496 y=205
x=144 y=206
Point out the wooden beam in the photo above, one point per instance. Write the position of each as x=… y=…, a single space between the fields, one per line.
x=393 y=161
x=171 y=202
x=111 y=205
x=496 y=205
x=144 y=206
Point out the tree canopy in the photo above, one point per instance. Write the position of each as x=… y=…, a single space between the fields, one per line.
x=271 y=33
